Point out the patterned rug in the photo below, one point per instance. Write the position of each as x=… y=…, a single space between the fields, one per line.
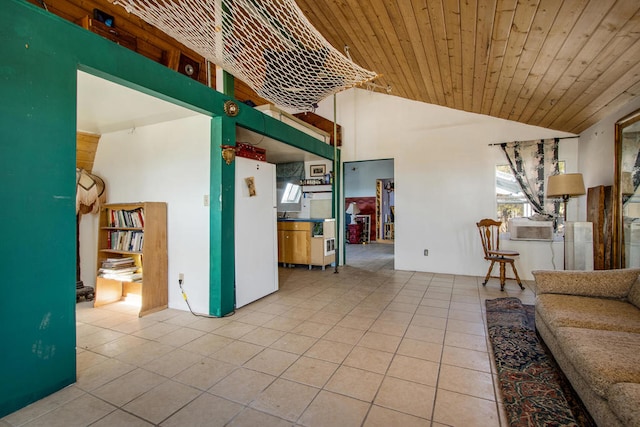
x=534 y=389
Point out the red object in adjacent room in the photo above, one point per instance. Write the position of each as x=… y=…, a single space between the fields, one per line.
x=366 y=206
x=355 y=231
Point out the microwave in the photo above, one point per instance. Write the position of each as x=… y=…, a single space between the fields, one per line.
x=526 y=229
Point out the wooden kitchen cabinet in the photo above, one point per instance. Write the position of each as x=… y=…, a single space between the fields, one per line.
x=306 y=242
x=294 y=244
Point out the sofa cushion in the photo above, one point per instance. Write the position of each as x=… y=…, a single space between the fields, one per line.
x=600 y=283
x=623 y=400
x=603 y=358
x=634 y=294
x=585 y=312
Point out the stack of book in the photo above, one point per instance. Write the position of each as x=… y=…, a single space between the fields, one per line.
x=123 y=269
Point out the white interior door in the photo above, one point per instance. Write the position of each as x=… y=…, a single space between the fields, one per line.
x=256 y=245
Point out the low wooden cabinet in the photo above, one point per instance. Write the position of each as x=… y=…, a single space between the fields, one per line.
x=294 y=245
x=137 y=231
x=309 y=242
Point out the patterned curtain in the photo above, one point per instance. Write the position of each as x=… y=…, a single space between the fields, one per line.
x=290 y=172
x=531 y=163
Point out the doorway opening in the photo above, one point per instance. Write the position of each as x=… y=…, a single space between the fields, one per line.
x=142 y=146
x=369 y=203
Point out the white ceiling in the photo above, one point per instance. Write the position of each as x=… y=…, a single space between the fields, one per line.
x=105 y=107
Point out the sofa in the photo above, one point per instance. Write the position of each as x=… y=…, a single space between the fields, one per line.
x=590 y=320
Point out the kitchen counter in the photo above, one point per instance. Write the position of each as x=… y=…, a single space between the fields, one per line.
x=309 y=241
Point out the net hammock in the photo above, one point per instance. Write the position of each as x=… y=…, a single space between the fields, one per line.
x=268 y=44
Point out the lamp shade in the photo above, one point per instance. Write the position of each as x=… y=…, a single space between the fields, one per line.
x=352 y=209
x=565 y=185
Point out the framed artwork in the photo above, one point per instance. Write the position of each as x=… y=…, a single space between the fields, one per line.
x=317 y=170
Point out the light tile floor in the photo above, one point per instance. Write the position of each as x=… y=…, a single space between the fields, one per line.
x=368 y=346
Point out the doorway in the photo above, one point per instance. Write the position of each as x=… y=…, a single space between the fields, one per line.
x=369 y=203
x=149 y=149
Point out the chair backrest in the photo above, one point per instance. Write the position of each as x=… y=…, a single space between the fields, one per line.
x=489 y=235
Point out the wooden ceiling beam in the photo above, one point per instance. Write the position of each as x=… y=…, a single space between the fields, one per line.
x=624 y=72
x=604 y=48
x=482 y=44
x=436 y=12
x=565 y=19
x=505 y=10
x=427 y=32
x=523 y=19
x=452 y=19
x=542 y=23
x=393 y=34
x=421 y=67
x=602 y=108
x=468 y=30
x=545 y=96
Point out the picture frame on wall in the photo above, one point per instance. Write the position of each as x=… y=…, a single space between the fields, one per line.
x=317 y=170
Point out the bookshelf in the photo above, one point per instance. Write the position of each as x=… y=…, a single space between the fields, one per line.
x=365 y=220
x=136 y=231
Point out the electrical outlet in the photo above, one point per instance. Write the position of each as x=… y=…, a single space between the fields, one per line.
x=181 y=276
x=426 y=252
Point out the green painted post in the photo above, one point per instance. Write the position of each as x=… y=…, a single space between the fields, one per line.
x=222 y=259
x=37 y=192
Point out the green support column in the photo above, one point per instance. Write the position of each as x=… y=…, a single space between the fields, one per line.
x=222 y=212
x=337 y=180
x=222 y=238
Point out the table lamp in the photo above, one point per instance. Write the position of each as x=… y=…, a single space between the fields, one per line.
x=565 y=185
x=353 y=211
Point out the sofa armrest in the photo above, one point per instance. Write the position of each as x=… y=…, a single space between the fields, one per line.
x=600 y=283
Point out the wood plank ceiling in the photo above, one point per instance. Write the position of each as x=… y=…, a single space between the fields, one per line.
x=557 y=64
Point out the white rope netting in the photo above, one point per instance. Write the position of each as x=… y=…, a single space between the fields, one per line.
x=268 y=44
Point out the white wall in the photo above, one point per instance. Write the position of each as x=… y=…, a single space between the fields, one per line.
x=167 y=162
x=316 y=204
x=360 y=177
x=444 y=174
x=597 y=158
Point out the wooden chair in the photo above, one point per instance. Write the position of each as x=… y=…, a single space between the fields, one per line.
x=490 y=236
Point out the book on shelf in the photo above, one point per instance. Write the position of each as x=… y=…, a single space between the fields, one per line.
x=119 y=260
x=123 y=269
x=123 y=277
x=133 y=218
x=115 y=263
x=128 y=241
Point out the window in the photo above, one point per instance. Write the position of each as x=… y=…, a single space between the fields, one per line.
x=291 y=193
x=511 y=201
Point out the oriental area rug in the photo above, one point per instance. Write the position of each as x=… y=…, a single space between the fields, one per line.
x=534 y=389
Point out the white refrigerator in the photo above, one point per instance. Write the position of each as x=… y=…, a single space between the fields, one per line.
x=256 y=235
